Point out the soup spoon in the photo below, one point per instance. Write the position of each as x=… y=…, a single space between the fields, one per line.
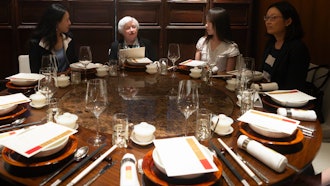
x=78 y=155
x=16 y=122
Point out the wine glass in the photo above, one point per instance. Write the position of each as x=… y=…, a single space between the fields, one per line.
x=173 y=54
x=96 y=101
x=187 y=100
x=211 y=64
x=49 y=62
x=122 y=59
x=247 y=72
x=85 y=57
x=47 y=85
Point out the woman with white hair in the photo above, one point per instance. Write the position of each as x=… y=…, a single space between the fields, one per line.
x=128 y=27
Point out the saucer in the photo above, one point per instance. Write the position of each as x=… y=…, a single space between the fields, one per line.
x=142 y=143
x=37 y=106
x=231 y=130
x=231 y=89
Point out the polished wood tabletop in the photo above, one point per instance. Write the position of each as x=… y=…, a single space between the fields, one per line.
x=153 y=101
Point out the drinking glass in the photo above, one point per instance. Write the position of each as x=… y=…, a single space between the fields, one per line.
x=173 y=54
x=187 y=99
x=120 y=130
x=49 y=62
x=122 y=59
x=203 y=124
x=47 y=85
x=247 y=72
x=85 y=57
x=211 y=64
x=96 y=101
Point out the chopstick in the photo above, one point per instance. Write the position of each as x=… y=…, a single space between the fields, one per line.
x=283 y=92
x=229 y=165
x=240 y=162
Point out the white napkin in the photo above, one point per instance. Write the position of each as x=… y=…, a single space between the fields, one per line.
x=27 y=76
x=183 y=156
x=300 y=114
x=265 y=86
x=17 y=98
x=270 y=121
x=89 y=66
x=193 y=63
x=139 y=60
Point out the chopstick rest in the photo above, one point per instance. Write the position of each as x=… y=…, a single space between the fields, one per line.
x=268 y=156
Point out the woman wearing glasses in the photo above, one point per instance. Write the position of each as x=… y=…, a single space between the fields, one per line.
x=286 y=58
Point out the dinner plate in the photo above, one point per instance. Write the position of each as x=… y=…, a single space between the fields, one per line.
x=272 y=106
x=19 y=110
x=159 y=178
x=26 y=90
x=19 y=165
x=295 y=138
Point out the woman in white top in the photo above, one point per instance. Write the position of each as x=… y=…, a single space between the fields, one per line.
x=218 y=39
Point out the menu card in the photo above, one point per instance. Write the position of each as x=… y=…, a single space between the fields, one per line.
x=133 y=52
x=270 y=121
x=17 y=98
x=34 y=139
x=193 y=63
x=291 y=96
x=184 y=156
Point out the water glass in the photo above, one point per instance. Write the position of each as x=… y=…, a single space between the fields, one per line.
x=113 y=67
x=53 y=109
x=75 y=77
x=120 y=130
x=163 y=62
x=203 y=124
x=247 y=100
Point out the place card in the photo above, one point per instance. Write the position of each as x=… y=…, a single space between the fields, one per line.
x=14 y=99
x=184 y=156
x=34 y=139
x=270 y=121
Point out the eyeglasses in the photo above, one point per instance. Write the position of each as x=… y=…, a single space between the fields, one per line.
x=271 y=18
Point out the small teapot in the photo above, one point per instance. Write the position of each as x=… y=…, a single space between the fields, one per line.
x=38 y=99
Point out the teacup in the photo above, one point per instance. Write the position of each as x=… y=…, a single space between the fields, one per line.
x=102 y=71
x=195 y=72
x=38 y=99
x=231 y=84
x=66 y=119
x=221 y=123
x=152 y=68
x=144 y=132
x=63 y=81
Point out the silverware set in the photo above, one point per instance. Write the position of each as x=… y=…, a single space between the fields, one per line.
x=306 y=131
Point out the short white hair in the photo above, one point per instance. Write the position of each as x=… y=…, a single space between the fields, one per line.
x=122 y=22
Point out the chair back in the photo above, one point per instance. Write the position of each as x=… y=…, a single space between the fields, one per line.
x=24 y=64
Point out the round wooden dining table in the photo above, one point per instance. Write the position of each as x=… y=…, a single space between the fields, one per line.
x=151 y=98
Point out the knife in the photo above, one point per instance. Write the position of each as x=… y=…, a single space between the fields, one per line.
x=106 y=167
x=20 y=126
x=78 y=166
x=263 y=177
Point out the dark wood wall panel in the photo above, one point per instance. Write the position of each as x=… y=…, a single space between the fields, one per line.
x=186 y=14
x=90 y=13
x=5 y=13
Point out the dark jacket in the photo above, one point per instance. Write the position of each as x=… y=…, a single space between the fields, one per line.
x=37 y=50
x=149 y=50
x=290 y=67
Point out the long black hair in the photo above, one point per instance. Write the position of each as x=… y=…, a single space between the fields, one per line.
x=220 y=20
x=46 y=28
x=294 y=30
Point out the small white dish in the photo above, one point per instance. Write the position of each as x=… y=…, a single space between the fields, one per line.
x=101 y=74
x=37 y=106
x=230 y=88
x=195 y=75
x=151 y=71
x=230 y=130
x=141 y=143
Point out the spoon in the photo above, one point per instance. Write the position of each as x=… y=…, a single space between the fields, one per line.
x=78 y=155
x=16 y=122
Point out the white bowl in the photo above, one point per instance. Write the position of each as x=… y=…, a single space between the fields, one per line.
x=195 y=75
x=23 y=82
x=56 y=147
x=159 y=164
x=268 y=132
x=290 y=104
x=4 y=109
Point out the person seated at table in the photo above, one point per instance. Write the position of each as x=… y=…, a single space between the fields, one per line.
x=218 y=39
x=286 y=58
x=128 y=27
x=52 y=36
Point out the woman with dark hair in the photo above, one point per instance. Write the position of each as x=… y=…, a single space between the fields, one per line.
x=52 y=36
x=218 y=39
x=286 y=57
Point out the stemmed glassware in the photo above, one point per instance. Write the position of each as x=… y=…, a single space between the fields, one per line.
x=188 y=99
x=122 y=59
x=96 y=101
x=85 y=57
x=47 y=85
x=211 y=63
x=173 y=54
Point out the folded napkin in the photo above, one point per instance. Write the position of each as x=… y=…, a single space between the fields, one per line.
x=270 y=121
x=186 y=158
x=89 y=66
x=13 y=99
x=139 y=60
x=27 y=76
x=300 y=114
x=265 y=86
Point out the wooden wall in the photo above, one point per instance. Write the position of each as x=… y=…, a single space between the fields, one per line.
x=161 y=21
